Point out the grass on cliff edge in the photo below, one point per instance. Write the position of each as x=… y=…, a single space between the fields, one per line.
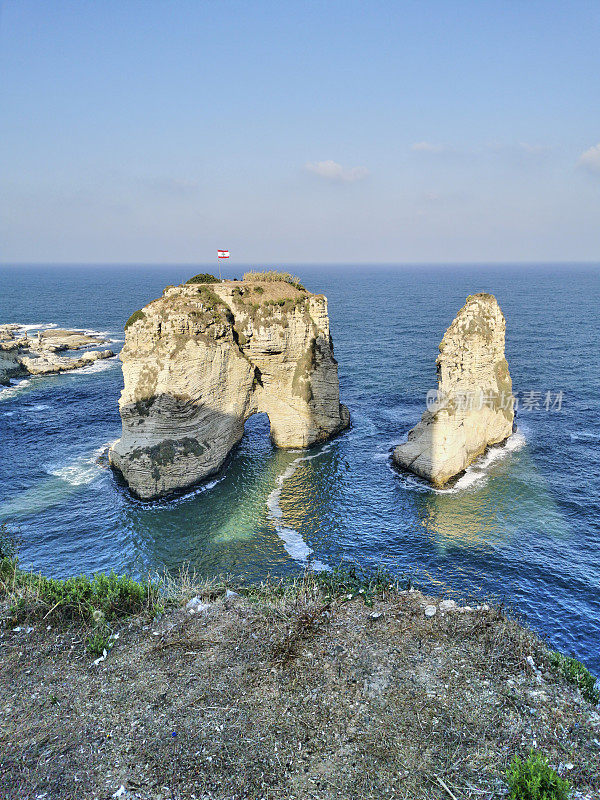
x=293 y=691
x=81 y=599
x=110 y=597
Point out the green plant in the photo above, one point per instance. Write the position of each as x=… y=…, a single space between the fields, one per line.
x=273 y=275
x=204 y=277
x=534 y=779
x=139 y=314
x=577 y=674
x=352 y=581
x=99 y=640
x=78 y=598
x=8 y=547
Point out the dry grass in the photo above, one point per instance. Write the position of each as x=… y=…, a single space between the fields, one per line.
x=271 y=276
x=291 y=691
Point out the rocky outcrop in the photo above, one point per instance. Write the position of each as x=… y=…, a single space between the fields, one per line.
x=49 y=365
x=473 y=406
x=21 y=354
x=200 y=360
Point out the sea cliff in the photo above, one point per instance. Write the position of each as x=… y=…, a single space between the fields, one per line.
x=325 y=686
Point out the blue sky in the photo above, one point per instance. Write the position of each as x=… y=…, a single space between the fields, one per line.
x=143 y=131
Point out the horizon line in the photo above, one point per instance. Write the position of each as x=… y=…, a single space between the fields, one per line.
x=255 y=265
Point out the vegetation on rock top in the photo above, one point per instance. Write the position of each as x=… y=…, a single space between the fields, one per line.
x=139 y=314
x=274 y=275
x=203 y=277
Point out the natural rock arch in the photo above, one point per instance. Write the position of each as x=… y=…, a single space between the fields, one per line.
x=202 y=359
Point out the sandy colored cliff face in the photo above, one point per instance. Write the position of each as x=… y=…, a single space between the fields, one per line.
x=474 y=408
x=202 y=359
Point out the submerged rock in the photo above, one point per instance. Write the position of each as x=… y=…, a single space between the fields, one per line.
x=200 y=360
x=473 y=407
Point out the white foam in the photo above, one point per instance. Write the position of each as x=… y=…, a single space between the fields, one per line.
x=477 y=472
x=584 y=436
x=319 y=566
x=40 y=407
x=38 y=326
x=81 y=471
x=14 y=389
x=293 y=543
x=90 y=332
x=176 y=501
x=383 y=451
x=96 y=366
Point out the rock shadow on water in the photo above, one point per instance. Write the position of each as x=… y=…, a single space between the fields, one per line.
x=263 y=512
x=489 y=504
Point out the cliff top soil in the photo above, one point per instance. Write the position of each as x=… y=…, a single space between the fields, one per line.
x=288 y=695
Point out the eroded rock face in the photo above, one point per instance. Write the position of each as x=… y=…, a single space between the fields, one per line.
x=474 y=407
x=200 y=360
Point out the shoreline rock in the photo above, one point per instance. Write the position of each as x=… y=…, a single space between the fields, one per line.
x=26 y=355
x=202 y=359
x=473 y=406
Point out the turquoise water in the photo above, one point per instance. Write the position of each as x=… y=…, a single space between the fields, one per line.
x=523 y=526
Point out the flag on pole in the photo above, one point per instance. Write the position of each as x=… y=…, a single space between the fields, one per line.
x=222 y=253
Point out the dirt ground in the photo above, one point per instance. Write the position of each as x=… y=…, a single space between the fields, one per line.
x=288 y=697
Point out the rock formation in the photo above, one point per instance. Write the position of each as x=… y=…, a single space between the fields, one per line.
x=22 y=355
x=203 y=358
x=473 y=407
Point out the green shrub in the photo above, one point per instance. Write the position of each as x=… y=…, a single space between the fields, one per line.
x=577 y=674
x=8 y=547
x=258 y=290
x=80 y=598
x=534 y=779
x=204 y=277
x=99 y=640
x=134 y=318
x=273 y=275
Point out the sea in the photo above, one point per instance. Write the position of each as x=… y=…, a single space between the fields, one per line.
x=521 y=527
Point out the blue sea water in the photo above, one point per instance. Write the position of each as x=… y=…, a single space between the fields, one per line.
x=522 y=526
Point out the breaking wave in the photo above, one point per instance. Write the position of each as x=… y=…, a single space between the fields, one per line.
x=16 y=386
x=475 y=474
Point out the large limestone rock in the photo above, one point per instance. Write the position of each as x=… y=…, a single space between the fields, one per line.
x=201 y=359
x=473 y=407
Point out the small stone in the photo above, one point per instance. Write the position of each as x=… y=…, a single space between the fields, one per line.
x=430 y=611
x=196 y=605
x=376 y=614
x=447 y=605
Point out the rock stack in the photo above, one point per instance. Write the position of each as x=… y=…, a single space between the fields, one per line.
x=473 y=406
x=200 y=360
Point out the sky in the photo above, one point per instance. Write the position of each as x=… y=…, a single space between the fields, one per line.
x=434 y=131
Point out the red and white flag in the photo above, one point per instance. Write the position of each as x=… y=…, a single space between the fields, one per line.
x=222 y=253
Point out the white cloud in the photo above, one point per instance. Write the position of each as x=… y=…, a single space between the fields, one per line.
x=427 y=147
x=333 y=171
x=590 y=160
